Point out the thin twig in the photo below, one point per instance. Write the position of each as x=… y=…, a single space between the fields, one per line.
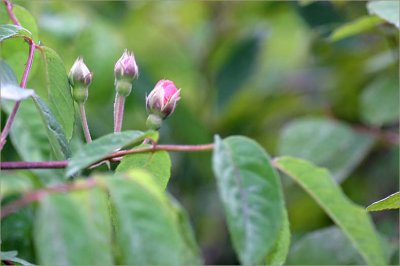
x=63 y=164
x=85 y=125
x=24 y=80
x=10 y=12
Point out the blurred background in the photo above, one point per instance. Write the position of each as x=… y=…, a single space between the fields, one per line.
x=271 y=71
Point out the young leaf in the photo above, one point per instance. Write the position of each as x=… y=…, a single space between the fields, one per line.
x=59 y=92
x=355 y=27
x=388 y=10
x=55 y=133
x=9 y=88
x=390 y=202
x=101 y=147
x=157 y=163
x=326 y=143
x=147 y=230
x=11 y=31
x=352 y=219
x=251 y=194
x=64 y=236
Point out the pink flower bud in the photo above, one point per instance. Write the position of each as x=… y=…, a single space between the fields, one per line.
x=126 y=67
x=79 y=75
x=163 y=98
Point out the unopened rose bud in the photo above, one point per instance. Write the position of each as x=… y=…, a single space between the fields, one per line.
x=80 y=79
x=125 y=71
x=162 y=99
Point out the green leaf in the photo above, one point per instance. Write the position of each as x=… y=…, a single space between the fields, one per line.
x=328 y=246
x=10 y=31
x=326 y=143
x=351 y=218
x=390 y=202
x=388 y=10
x=251 y=194
x=11 y=256
x=9 y=85
x=381 y=90
x=59 y=91
x=14 y=184
x=360 y=25
x=64 y=236
x=279 y=252
x=238 y=68
x=101 y=147
x=148 y=229
x=157 y=163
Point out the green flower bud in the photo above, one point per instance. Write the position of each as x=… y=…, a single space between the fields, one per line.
x=80 y=79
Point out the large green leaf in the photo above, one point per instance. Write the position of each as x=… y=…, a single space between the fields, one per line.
x=59 y=91
x=326 y=143
x=381 y=90
x=148 y=229
x=355 y=27
x=9 y=88
x=65 y=236
x=387 y=9
x=101 y=147
x=10 y=31
x=390 y=202
x=351 y=218
x=328 y=246
x=251 y=194
x=157 y=163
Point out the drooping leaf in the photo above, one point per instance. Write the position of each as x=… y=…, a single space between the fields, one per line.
x=386 y=9
x=59 y=92
x=326 y=143
x=10 y=31
x=280 y=250
x=101 y=147
x=390 y=202
x=148 y=231
x=157 y=163
x=355 y=27
x=251 y=193
x=11 y=256
x=351 y=218
x=382 y=90
x=64 y=236
x=328 y=246
x=9 y=88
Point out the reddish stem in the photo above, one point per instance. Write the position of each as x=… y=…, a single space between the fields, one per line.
x=24 y=80
x=63 y=164
x=10 y=12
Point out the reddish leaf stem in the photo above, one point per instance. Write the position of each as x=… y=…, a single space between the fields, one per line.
x=10 y=12
x=63 y=164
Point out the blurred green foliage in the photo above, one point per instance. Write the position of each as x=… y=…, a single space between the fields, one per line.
x=247 y=68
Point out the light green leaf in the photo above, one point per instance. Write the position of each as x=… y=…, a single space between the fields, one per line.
x=386 y=9
x=13 y=184
x=11 y=256
x=9 y=88
x=382 y=90
x=64 y=236
x=157 y=163
x=326 y=143
x=351 y=218
x=11 y=31
x=55 y=133
x=360 y=25
x=390 y=202
x=59 y=91
x=251 y=194
x=101 y=147
x=280 y=250
x=328 y=246
x=148 y=230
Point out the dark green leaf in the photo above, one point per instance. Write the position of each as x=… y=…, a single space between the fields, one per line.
x=9 y=85
x=388 y=10
x=390 y=202
x=10 y=31
x=279 y=252
x=355 y=27
x=351 y=218
x=100 y=148
x=148 y=229
x=238 y=68
x=251 y=194
x=59 y=91
x=382 y=90
x=64 y=236
x=326 y=143
x=158 y=164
